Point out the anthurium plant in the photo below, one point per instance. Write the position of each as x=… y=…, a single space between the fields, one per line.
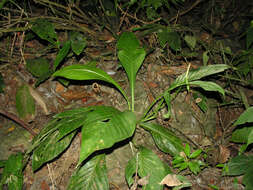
x=103 y=126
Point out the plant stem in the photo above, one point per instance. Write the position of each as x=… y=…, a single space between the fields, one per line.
x=19 y=121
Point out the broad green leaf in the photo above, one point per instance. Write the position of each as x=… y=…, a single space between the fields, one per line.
x=38 y=67
x=73 y=112
x=102 y=132
x=132 y=61
x=245 y=117
x=239 y=165
x=247 y=178
x=62 y=54
x=45 y=30
x=128 y=42
x=43 y=77
x=241 y=135
x=150 y=166
x=78 y=42
x=250 y=138
x=191 y=41
x=173 y=40
x=25 y=103
x=12 y=174
x=198 y=74
x=208 y=86
x=84 y=72
x=166 y=36
x=91 y=176
x=2 y=85
x=164 y=139
x=131 y=57
x=49 y=148
x=130 y=170
x=162 y=37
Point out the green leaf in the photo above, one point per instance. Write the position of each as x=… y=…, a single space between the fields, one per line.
x=174 y=41
x=241 y=135
x=45 y=30
x=184 y=180
x=2 y=85
x=149 y=166
x=2 y=163
x=209 y=86
x=164 y=139
x=194 y=167
x=84 y=72
x=43 y=77
x=239 y=165
x=25 y=103
x=128 y=42
x=78 y=42
x=12 y=173
x=49 y=148
x=177 y=159
x=245 y=117
x=195 y=154
x=250 y=138
x=247 y=179
x=170 y=37
x=198 y=74
x=201 y=101
x=38 y=67
x=130 y=170
x=167 y=98
x=205 y=58
x=249 y=37
x=187 y=150
x=182 y=166
x=131 y=57
x=191 y=41
x=91 y=176
x=62 y=54
x=98 y=134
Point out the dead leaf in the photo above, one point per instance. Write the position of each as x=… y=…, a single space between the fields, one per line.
x=224 y=154
x=37 y=97
x=143 y=181
x=171 y=180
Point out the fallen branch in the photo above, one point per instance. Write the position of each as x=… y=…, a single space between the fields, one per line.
x=19 y=121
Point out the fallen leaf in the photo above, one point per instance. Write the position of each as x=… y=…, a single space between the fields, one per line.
x=171 y=180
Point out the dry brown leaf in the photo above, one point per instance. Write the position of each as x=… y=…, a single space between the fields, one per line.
x=171 y=180
x=37 y=97
x=224 y=154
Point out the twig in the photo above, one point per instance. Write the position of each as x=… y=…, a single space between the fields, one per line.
x=186 y=11
x=135 y=18
x=51 y=176
x=17 y=120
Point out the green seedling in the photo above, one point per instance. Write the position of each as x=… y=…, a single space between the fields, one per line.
x=186 y=159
